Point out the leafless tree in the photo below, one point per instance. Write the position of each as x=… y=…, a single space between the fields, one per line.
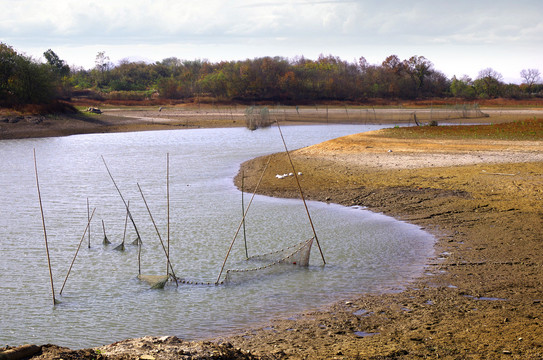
x=530 y=77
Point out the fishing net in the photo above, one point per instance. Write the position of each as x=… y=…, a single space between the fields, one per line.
x=155 y=281
x=468 y=111
x=296 y=255
x=257 y=117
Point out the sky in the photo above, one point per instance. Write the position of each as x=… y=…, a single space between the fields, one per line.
x=460 y=37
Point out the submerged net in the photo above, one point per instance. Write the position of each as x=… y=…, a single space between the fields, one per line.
x=155 y=281
x=468 y=111
x=297 y=255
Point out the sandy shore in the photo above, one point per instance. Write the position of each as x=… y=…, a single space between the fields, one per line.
x=481 y=295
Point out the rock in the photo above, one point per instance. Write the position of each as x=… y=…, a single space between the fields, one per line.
x=21 y=352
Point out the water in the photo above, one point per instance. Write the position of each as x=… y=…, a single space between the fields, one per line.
x=103 y=302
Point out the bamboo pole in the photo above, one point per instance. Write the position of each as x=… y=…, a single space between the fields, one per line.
x=88 y=218
x=301 y=192
x=44 y=230
x=242 y=220
x=168 y=201
x=129 y=215
x=77 y=251
x=125 y=223
x=121 y=246
x=168 y=263
x=243 y=214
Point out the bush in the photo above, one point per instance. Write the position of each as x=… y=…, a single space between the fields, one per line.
x=24 y=80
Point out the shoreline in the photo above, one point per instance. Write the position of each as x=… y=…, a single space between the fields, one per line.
x=480 y=297
x=129 y=119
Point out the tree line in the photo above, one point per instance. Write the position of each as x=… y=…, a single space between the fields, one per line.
x=27 y=80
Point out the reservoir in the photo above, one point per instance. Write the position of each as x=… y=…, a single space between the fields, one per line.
x=103 y=301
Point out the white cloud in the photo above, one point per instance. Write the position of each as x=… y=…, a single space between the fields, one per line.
x=462 y=31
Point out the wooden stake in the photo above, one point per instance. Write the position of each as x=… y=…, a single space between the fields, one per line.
x=44 y=230
x=77 y=251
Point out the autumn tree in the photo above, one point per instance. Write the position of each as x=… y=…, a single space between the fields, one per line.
x=393 y=70
x=419 y=69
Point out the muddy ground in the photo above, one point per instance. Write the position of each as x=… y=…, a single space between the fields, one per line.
x=481 y=295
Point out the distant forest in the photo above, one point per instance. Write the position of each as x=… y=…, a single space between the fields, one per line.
x=25 y=80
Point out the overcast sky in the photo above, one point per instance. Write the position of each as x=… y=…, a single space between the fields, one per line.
x=459 y=37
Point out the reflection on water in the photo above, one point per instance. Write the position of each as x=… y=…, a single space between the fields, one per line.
x=103 y=301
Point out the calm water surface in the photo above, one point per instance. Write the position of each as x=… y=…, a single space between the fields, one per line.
x=104 y=302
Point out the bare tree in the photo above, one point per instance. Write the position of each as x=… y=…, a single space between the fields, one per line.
x=490 y=73
x=103 y=65
x=102 y=62
x=530 y=77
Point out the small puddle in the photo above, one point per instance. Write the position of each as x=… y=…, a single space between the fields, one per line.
x=485 y=298
x=490 y=299
x=364 y=334
x=362 y=312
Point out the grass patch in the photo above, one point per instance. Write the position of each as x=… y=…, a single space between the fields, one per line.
x=517 y=130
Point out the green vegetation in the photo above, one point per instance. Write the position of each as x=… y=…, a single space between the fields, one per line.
x=25 y=80
x=517 y=130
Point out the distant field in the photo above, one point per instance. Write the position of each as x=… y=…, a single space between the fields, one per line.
x=516 y=130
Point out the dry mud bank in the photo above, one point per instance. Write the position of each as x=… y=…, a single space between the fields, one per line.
x=481 y=296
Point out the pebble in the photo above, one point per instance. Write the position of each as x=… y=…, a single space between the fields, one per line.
x=147 y=357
